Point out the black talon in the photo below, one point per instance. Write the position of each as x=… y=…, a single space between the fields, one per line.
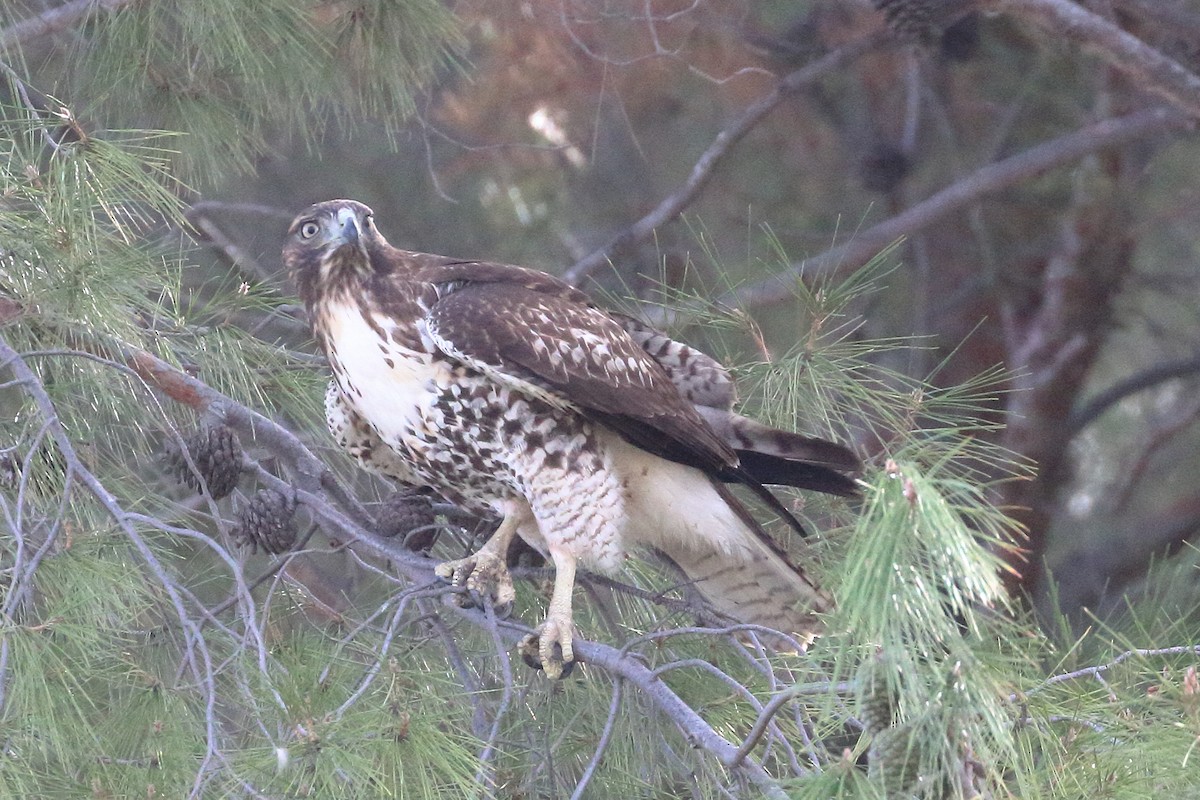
x=529 y=654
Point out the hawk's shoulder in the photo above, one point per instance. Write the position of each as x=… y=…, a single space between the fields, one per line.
x=440 y=270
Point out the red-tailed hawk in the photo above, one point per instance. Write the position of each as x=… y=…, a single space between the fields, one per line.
x=586 y=432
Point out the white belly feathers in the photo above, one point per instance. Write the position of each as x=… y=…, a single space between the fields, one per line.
x=391 y=386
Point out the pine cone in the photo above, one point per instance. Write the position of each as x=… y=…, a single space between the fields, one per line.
x=911 y=20
x=217 y=454
x=875 y=704
x=10 y=468
x=893 y=757
x=267 y=522
x=408 y=514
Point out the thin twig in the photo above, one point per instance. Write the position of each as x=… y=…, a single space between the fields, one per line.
x=610 y=725
x=776 y=704
x=381 y=655
x=488 y=753
x=212 y=234
x=1099 y=669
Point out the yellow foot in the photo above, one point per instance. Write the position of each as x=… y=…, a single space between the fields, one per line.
x=485 y=575
x=549 y=647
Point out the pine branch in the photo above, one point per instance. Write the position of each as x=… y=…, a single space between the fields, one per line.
x=204 y=672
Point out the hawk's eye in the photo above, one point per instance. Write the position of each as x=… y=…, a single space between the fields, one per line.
x=309 y=229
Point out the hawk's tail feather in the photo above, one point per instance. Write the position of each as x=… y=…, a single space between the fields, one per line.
x=757 y=587
x=776 y=457
x=774 y=470
x=699 y=525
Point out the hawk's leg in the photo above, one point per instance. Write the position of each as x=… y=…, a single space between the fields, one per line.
x=549 y=647
x=485 y=574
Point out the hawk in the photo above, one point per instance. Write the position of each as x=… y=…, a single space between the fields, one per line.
x=587 y=433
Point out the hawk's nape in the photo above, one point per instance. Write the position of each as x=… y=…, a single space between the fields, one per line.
x=588 y=433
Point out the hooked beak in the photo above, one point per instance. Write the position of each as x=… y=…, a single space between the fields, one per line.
x=349 y=232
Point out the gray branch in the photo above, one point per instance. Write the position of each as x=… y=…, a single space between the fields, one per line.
x=56 y=19
x=958 y=196
x=674 y=204
x=1147 y=66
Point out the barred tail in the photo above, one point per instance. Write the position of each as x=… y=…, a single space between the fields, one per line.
x=695 y=522
x=760 y=588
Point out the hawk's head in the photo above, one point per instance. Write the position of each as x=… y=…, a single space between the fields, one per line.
x=328 y=247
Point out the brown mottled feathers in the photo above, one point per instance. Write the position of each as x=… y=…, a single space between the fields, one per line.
x=579 y=353
x=506 y=309
x=698 y=377
x=517 y=324
x=589 y=432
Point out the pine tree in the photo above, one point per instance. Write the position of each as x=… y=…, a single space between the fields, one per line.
x=146 y=651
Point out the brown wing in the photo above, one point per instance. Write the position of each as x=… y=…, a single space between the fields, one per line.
x=555 y=346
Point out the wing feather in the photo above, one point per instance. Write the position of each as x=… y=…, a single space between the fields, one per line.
x=556 y=345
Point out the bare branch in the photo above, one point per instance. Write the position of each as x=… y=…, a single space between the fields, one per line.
x=1147 y=379
x=674 y=204
x=56 y=19
x=697 y=730
x=1147 y=66
x=211 y=234
x=1100 y=669
x=605 y=737
x=486 y=772
x=956 y=197
x=775 y=705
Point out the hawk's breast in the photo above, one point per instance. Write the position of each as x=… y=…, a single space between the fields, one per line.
x=388 y=383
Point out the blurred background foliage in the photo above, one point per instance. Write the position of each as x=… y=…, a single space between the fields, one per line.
x=1033 y=349
x=564 y=122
